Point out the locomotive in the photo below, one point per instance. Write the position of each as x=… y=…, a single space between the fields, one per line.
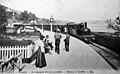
x=80 y=31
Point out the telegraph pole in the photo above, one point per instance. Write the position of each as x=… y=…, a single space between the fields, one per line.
x=42 y=25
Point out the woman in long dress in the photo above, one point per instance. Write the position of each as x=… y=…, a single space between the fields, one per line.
x=39 y=54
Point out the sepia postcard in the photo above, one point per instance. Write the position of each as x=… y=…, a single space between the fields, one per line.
x=60 y=36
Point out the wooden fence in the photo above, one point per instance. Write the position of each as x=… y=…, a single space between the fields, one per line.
x=9 y=51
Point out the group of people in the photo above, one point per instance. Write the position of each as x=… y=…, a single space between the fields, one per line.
x=43 y=46
x=58 y=37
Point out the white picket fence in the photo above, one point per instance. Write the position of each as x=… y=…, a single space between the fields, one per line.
x=8 y=51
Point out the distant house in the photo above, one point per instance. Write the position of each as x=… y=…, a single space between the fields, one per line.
x=33 y=22
x=11 y=30
x=10 y=23
x=27 y=29
x=12 y=26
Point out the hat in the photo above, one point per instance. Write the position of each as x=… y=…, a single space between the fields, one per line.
x=42 y=37
x=47 y=35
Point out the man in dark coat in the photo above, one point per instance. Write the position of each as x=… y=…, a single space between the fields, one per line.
x=67 y=41
x=57 y=37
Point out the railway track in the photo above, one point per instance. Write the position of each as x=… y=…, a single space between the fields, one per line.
x=110 y=56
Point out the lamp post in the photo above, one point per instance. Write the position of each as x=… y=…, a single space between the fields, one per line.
x=33 y=21
x=42 y=25
x=13 y=18
x=51 y=22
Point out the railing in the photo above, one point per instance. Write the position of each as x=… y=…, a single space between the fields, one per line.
x=8 y=51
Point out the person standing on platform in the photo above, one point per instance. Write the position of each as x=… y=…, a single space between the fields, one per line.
x=57 y=37
x=40 y=59
x=39 y=55
x=67 y=42
x=65 y=30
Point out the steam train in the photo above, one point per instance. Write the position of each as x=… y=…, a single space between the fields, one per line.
x=80 y=31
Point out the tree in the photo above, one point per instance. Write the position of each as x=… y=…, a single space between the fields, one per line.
x=32 y=16
x=117 y=20
x=115 y=25
x=24 y=16
x=3 y=18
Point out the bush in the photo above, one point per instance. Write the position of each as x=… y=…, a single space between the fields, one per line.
x=108 y=41
x=9 y=42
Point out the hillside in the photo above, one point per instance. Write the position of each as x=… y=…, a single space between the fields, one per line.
x=26 y=16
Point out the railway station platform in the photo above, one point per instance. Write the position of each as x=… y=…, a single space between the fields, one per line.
x=81 y=57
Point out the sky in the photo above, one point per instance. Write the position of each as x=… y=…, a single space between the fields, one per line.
x=71 y=10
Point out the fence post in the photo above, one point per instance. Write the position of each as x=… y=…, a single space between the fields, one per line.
x=28 y=51
x=7 y=53
x=2 y=54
